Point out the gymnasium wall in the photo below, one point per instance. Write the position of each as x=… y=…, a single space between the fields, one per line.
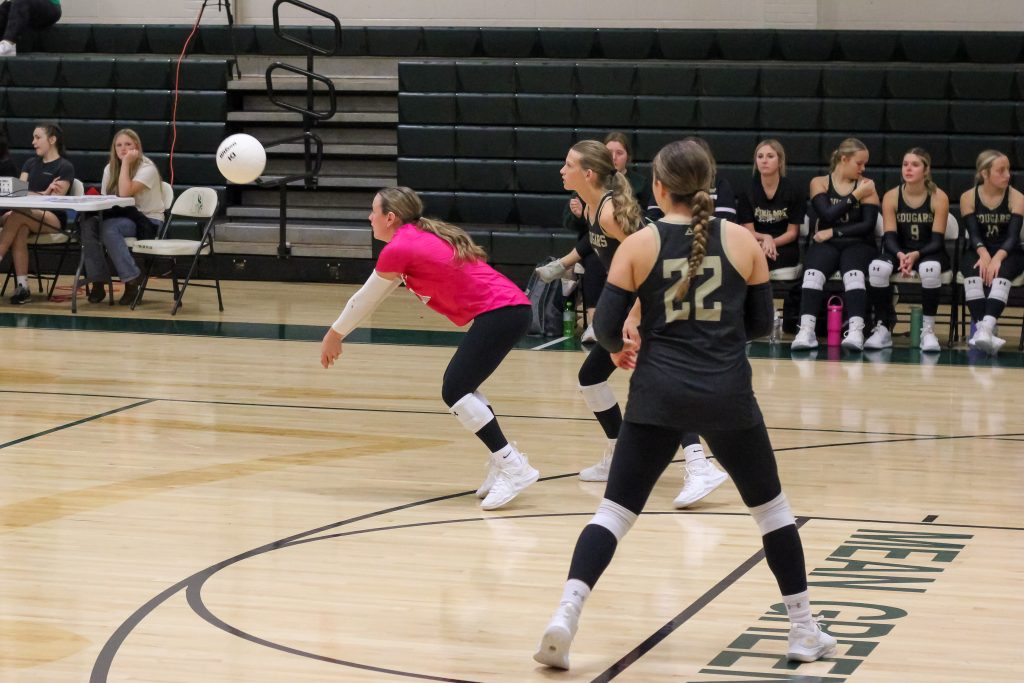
x=983 y=15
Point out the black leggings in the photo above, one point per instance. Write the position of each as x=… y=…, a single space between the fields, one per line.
x=489 y=339
x=827 y=258
x=597 y=368
x=18 y=15
x=644 y=451
x=642 y=454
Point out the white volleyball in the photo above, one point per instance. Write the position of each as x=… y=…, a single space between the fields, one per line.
x=241 y=158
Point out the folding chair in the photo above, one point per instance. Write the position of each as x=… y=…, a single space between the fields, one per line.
x=197 y=205
x=59 y=242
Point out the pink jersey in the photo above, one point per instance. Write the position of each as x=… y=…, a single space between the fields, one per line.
x=458 y=291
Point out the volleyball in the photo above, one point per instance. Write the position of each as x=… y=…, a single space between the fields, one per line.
x=241 y=158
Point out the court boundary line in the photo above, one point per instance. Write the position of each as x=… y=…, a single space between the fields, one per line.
x=105 y=659
x=445 y=412
x=194 y=588
x=68 y=425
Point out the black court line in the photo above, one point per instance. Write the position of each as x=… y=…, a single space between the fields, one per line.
x=930 y=518
x=256 y=404
x=76 y=423
x=195 y=601
x=104 y=661
x=693 y=608
x=101 y=668
x=194 y=588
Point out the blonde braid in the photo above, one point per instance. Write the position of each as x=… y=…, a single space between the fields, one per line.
x=703 y=209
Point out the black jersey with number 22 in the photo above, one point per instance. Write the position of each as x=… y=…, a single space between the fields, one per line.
x=692 y=367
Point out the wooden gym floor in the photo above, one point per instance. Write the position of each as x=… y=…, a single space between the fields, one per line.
x=197 y=500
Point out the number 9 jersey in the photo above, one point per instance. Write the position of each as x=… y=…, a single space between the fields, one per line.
x=692 y=370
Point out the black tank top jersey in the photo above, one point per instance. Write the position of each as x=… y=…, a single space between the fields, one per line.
x=994 y=222
x=604 y=246
x=692 y=367
x=914 y=224
x=855 y=214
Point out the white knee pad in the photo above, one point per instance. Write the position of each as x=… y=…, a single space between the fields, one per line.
x=814 y=279
x=773 y=515
x=598 y=397
x=1000 y=289
x=854 y=279
x=471 y=412
x=878 y=274
x=614 y=518
x=931 y=275
x=973 y=289
x=483 y=399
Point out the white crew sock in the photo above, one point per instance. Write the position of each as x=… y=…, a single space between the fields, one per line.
x=808 y=321
x=799 y=608
x=22 y=280
x=693 y=453
x=575 y=593
x=507 y=457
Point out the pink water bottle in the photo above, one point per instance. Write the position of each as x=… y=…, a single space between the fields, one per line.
x=835 y=320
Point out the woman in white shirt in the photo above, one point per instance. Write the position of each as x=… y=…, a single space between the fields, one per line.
x=129 y=174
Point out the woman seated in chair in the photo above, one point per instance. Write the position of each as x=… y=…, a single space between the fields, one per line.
x=914 y=215
x=46 y=173
x=128 y=174
x=774 y=207
x=846 y=206
x=993 y=212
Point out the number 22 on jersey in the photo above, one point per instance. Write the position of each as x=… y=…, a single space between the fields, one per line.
x=681 y=310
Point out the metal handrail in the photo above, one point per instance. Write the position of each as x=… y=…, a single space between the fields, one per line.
x=331 y=92
x=297 y=41
x=310 y=116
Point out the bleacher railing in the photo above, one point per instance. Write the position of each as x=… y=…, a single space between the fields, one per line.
x=313 y=146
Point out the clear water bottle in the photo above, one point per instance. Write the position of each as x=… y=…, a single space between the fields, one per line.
x=775 y=336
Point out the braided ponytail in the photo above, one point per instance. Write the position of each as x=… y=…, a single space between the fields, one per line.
x=703 y=210
x=684 y=168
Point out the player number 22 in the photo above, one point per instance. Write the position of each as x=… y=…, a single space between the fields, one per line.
x=681 y=310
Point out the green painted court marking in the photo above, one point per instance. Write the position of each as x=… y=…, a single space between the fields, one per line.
x=314 y=333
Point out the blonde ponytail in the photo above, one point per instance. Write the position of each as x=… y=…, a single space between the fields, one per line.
x=627 y=211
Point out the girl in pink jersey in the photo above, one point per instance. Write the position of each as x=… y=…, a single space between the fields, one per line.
x=441 y=265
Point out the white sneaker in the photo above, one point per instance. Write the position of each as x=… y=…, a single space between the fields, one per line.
x=805 y=339
x=701 y=479
x=809 y=645
x=492 y=473
x=8 y=49
x=508 y=483
x=929 y=342
x=984 y=340
x=854 y=339
x=553 y=649
x=599 y=472
x=588 y=335
x=550 y=272
x=880 y=338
